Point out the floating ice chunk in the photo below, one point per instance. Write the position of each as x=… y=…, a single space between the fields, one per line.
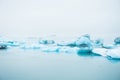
x=50 y=48
x=12 y=43
x=84 y=41
x=109 y=46
x=62 y=43
x=67 y=43
x=100 y=51
x=31 y=46
x=114 y=53
x=98 y=43
x=43 y=41
x=59 y=49
x=117 y=40
x=84 y=44
x=66 y=49
x=3 y=45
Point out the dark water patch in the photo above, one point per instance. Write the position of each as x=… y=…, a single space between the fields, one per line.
x=113 y=60
x=88 y=54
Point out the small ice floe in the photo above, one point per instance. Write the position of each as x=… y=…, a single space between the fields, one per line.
x=114 y=53
x=30 y=46
x=98 y=43
x=44 y=41
x=67 y=49
x=117 y=40
x=67 y=43
x=62 y=43
x=109 y=46
x=59 y=49
x=49 y=48
x=12 y=43
x=100 y=51
x=3 y=46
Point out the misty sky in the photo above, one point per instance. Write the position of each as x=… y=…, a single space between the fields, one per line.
x=65 y=17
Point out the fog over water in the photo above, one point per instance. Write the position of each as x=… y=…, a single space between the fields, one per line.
x=28 y=20
x=100 y=18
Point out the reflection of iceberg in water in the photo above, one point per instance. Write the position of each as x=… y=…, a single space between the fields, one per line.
x=81 y=45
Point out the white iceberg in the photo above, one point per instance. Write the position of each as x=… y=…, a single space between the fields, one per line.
x=30 y=46
x=66 y=49
x=108 y=46
x=59 y=49
x=45 y=48
x=114 y=53
x=12 y=43
x=100 y=51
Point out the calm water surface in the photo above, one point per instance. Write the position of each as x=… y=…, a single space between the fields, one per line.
x=18 y=64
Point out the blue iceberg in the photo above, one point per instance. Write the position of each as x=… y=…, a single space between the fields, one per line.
x=117 y=41
x=3 y=46
x=45 y=41
x=98 y=43
x=81 y=45
x=84 y=44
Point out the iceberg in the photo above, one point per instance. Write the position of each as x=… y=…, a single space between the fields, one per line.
x=100 y=51
x=109 y=46
x=117 y=40
x=3 y=46
x=67 y=49
x=98 y=43
x=84 y=44
x=114 y=53
x=67 y=43
x=81 y=45
x=12 y=43
x=30 y=46
x=59 y=49
x=49 y=48
x=43 y=41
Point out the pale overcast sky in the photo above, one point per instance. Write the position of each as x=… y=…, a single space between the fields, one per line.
x=65 y=17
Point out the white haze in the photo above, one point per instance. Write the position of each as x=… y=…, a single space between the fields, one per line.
x=99 y=18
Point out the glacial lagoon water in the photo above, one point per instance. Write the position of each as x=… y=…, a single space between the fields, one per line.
x=21 y=64
x=31 y=61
